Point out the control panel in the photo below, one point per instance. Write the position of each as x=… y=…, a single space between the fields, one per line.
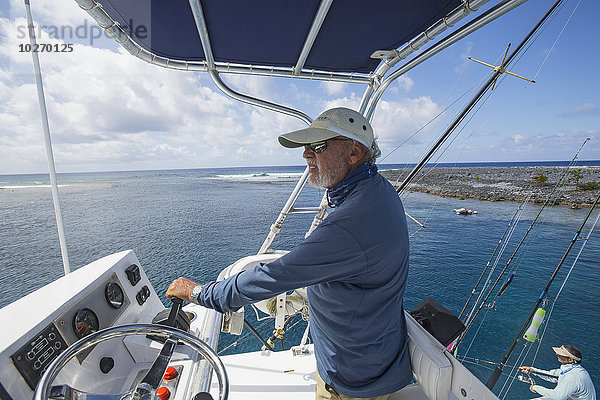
x=110 y=291
x=32 y=359
x=99 y=309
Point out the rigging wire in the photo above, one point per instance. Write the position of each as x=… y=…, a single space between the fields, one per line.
x=494 y=265
x=469 y=323
x=488 y=263
x=548 y=317
x=557 y=38
x=494 y=378
x=559 y=184
x=512 y=375
x=429 y=122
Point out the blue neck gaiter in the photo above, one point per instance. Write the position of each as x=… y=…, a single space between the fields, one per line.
x=337 y=194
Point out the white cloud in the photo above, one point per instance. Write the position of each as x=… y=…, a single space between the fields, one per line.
x=107 y=105
x=586 y=109
x=517 y=139
x=352 y=102
x=334 y=88
x=403 y=83
x=109 y=110
x=462 y=61
x=397 y=120
x=55 y=12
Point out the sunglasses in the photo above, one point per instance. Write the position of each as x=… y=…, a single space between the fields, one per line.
x=319 y=147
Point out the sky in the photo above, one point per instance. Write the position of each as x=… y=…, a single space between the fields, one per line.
x=110 y=111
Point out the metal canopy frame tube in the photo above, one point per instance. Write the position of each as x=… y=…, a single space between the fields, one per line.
x=49 y=153
x=312 y=34
x=467 y=109
x=368 y=107
x=429 y=34
x=287 y=209
x=210 y=62
x=121 y=37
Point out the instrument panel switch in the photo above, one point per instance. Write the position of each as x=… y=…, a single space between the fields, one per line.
x=163 y=393
x=170 y=373
x=133 y=274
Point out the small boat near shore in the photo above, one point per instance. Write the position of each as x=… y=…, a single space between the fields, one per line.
x=464 y=211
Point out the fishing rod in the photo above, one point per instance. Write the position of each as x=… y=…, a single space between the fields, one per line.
x=496 y=374
x=471 y=319
x=489 y=263
x=461 y=116
x=478 y=360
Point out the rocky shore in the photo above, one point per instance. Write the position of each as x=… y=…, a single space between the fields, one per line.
x=503 y=183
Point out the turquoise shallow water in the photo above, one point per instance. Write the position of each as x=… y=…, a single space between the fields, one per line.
x=196 y=222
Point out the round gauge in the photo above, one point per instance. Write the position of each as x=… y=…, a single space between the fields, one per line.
x=114 y=295
x=85 y=322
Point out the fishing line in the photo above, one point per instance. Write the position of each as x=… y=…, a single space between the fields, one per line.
x=437 y=197
x=501 y=274
x=548 y=318
x=494 y=378
x=463 y=126
x=433 y=119
x=510 y=229
x=557 y=38
x=560 y=183
x=517 y=217
x=476 y=361
x=533 y=239
x=422 y=173
x=511 y=378
x=475 y=335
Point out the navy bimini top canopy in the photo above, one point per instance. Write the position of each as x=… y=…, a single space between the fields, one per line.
x=273 y=32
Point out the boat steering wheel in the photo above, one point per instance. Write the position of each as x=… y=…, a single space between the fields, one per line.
x=147 y=388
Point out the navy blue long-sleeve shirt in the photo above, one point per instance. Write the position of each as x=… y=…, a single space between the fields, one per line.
x=355 y=265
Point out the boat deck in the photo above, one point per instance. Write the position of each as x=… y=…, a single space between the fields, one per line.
x=277 y=375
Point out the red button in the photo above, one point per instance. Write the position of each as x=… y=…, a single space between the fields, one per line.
x=170 y=373
x=163 y=393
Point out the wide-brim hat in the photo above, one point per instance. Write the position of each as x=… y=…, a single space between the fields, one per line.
x=562 y=351
x=331 y=123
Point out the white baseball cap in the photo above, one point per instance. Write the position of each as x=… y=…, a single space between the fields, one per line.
x=331 y=123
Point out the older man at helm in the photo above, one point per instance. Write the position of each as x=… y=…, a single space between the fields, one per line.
x=354 y=265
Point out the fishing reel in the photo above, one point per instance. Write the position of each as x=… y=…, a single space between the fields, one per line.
x=527 y=378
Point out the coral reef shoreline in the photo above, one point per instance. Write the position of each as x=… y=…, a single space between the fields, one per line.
x=503 y=183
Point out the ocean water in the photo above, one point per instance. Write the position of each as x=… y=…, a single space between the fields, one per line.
x=193 y=223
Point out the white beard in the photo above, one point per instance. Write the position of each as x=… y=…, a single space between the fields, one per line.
x=328 y=179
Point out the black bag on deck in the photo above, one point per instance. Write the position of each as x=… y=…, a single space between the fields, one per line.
x=438 y=321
